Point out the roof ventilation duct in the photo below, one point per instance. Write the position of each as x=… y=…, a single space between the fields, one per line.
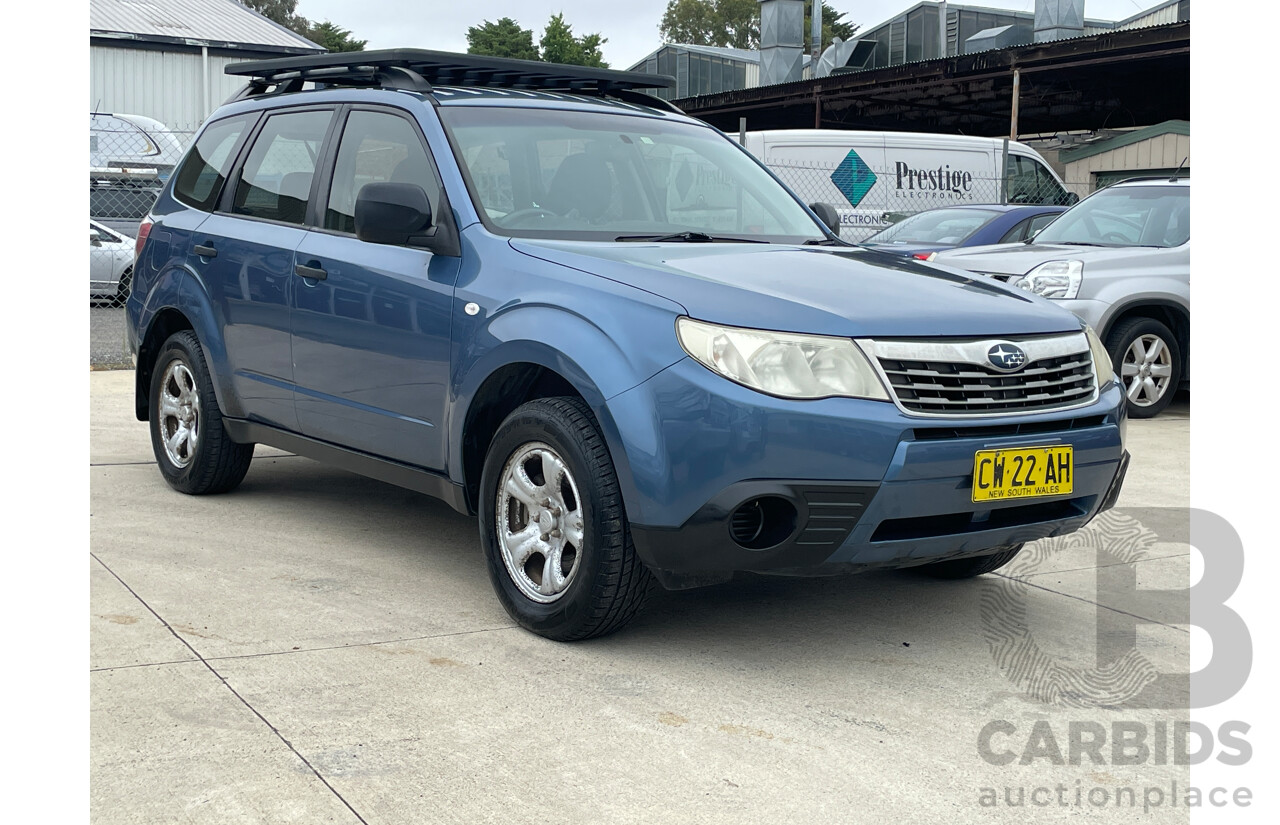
x=781 y=41
x=1059 y=20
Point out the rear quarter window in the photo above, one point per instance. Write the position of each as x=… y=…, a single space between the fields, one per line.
x=200 y=178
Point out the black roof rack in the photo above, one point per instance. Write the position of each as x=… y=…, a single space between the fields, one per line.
x=419 y=70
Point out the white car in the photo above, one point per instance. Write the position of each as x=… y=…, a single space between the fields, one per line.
x=110 y=262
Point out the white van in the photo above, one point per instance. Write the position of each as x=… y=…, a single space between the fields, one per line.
x=874 y=179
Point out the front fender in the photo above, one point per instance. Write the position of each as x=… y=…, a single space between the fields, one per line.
x=600 y=357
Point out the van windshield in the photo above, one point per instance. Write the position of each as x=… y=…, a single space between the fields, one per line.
x=551 y=173
x=1125 y=216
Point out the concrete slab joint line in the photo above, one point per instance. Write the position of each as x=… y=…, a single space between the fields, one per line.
x=234 y=692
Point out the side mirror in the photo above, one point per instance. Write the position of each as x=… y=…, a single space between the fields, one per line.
x=94 y=238
x=393 y=213
x=828 y=215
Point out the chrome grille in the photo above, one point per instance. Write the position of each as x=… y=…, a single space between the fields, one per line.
x=950 y=378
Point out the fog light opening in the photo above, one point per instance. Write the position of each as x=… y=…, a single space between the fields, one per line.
x=762 y=522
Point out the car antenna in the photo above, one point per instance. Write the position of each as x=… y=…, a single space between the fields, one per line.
x=1174 y=177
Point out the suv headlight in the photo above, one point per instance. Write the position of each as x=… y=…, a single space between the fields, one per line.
x=1054 y=279
x=1102 y=368
x=782 y=363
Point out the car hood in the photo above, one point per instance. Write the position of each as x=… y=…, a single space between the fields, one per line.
x=1021 y=258
x=822 y=290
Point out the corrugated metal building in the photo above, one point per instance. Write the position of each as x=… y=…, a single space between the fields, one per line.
x=703 y=70
x=1152 y=150
x=164 y=58
x=1173 y=11
x=916 y=34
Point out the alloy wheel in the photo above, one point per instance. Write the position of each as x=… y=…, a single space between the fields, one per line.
x=1147 y=370
x=179 y=414
x=539 y=522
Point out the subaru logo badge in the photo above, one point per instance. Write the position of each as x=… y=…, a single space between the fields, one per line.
x=1007 y=357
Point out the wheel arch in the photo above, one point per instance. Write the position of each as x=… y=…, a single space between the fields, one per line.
x=504 y=388
x=175 y=303
x=1170 y=313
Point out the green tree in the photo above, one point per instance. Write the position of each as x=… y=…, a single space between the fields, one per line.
x=833 y=25
x=736 y=23
x=504 y=38
x=334 y=38
x=560 y=46
x=326 y=33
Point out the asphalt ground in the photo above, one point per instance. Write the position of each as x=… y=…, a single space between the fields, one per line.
x=318 y=647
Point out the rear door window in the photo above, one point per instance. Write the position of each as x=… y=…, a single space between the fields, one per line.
x=275 y=183
x=205 y=169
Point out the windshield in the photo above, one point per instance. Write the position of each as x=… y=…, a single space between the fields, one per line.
x=1126 y=216
x=937 y=226
x=551 y=173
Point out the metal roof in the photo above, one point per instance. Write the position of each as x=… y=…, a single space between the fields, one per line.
x=725 y=52
x=224 y=23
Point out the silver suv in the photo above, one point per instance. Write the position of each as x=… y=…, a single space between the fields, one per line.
x=1120 y=260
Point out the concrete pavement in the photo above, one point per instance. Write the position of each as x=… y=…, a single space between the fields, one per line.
x=318 y=647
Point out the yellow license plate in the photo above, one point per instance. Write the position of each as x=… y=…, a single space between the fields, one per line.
x=1030 y=472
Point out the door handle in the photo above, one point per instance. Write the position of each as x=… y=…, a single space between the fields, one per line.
x=205 y=251
x=315 y=273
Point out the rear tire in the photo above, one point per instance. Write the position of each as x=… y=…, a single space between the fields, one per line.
x=552 y=523
x=192 y=448
x=970 y=567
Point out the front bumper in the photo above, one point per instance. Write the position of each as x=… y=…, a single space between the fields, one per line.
x=869 y=485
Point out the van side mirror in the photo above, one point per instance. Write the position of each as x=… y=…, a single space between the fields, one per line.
x=392 y=213
x=94 y=238
x=828 y=215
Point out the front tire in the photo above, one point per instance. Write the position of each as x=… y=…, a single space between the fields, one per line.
x=970 y=567
x=552 y=523
x=1148 y=359
x=192 y=448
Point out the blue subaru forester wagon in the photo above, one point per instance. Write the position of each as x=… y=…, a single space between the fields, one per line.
x=561 y=305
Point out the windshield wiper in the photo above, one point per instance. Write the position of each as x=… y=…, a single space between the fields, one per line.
x=688 y=237
x=827 y=242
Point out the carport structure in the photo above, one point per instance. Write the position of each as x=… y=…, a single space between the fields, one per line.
x=1118 y=79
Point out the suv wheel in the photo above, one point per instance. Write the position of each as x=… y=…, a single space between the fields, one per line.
x=1148 y=360
x=553 y=526
x=970 y=567
x=195 y=454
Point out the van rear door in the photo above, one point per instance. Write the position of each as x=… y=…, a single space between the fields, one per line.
x=846 y=173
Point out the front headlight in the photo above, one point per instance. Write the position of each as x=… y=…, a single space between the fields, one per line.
x=782 y=363
x=1102 y=367
x=1054 y=279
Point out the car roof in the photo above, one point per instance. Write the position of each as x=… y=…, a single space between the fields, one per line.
x=1161 y=180
x=999 y=207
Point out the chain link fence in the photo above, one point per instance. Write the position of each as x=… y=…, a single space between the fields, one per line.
x=130 y=158
x=869 y=200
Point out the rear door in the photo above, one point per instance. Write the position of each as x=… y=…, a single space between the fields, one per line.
x=244 y=253
x=370 y=326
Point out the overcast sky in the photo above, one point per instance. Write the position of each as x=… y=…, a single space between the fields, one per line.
x=630 y=25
